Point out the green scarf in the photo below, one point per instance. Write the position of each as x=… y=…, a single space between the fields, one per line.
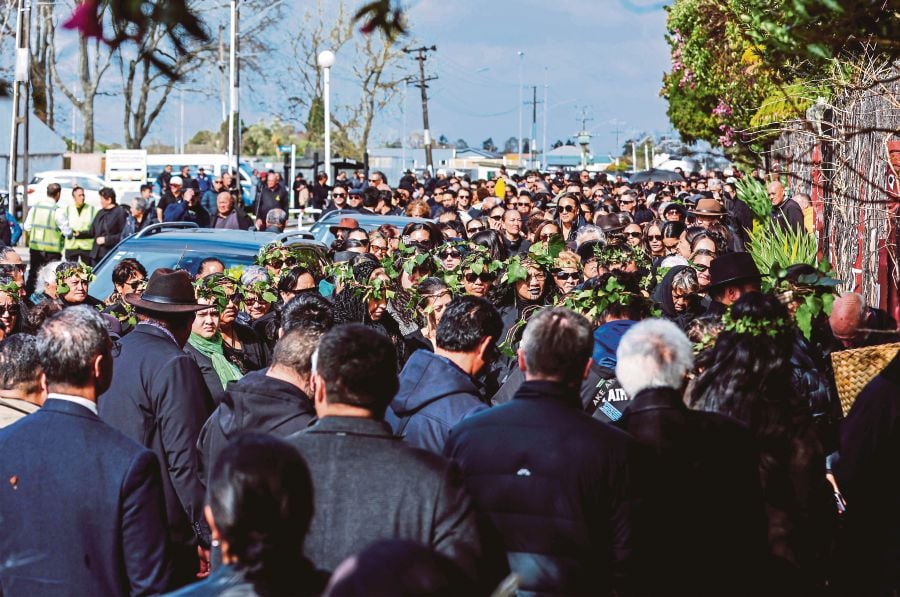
x=212 y=349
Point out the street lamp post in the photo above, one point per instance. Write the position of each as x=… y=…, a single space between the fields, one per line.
x=325 y=61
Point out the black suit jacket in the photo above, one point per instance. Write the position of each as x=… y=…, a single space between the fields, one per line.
x=697 y=478
x=81 y=508
x=159 y=399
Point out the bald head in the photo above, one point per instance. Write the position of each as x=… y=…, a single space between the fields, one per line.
x=776 y=192
x=224 y=203
x=847 y=314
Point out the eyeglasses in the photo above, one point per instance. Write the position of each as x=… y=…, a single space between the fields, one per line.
x=464 y=196
x=625 y=201
x=254 y=300
x=485 y=277
x=279 y=263
x=354 y=198
x=700 y=268
x=13 y=309
x=654 y=237
x=496 y=218
x=217 y=182
x=567 y=208
x=378 y=247
x=561 y=275
x=524 y=203
x=339 y=195
x=549 y=235
x=452 y=253
x=633 y=234
x=474 y=229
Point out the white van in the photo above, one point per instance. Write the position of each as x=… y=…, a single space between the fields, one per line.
x=214 y=164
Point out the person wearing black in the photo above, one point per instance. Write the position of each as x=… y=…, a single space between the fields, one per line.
x=785 y=212
x=550 y=482
x=259 y=509
x=731 y=276
x=320 y=190
x=108 y=225
x=271 y=196
x=187 y=209
x=369 y=484
x=158 y=399
x=716 y=515
x=275 y=400
x=868 y=474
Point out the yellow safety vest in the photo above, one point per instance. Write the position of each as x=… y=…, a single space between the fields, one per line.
x=80 y=222
x=45 y=236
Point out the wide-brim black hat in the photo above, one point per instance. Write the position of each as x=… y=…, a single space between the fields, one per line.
x=168 y=291
x=732 y=268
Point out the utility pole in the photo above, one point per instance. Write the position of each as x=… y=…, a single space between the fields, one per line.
x=422 y=85
x=521 y=104
x=544 y=135
x=532 y=152
x=584 y=136
x=234 y=78
x=20 y=113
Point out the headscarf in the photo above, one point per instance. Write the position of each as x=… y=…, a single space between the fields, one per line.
x=212 y=349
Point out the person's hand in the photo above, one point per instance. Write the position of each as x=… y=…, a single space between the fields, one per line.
x=101 y=240
x=203 y=555
x=840 y=502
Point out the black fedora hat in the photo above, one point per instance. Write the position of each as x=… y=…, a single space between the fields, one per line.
x=731 y=268
x=168 y=291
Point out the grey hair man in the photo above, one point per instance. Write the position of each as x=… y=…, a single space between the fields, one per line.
x=589 y=232
x=64 y=453
x=718 y=510
x=564 y=514
x=276 y=219
x=21 y=391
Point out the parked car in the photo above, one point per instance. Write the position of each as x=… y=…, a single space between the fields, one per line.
x=321 y=232
x=181 y=245
x=68 y=180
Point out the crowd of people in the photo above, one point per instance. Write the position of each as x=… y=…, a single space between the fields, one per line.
x=550 y=383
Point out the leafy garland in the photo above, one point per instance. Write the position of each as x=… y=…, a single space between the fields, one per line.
x=278 y=251
x=12 y=289
x=377 y=289
x=621 y=255
x=593 y=302
x=814 y=293
x=215 y=287
x=753 y=326
x=479 y=260
x=80 y=269
x=543 y=256
x=341 y=272
x=262 y=289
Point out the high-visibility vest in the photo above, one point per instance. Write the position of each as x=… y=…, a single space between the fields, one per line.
x=45 y=236
x=81 y=222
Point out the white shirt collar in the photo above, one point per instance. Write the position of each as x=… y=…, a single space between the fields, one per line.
x=91 y=406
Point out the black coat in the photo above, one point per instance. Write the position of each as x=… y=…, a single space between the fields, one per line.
x=370 y=485
x=868 y=473
x=253 y=354
x=158 y=399
x=255 y=402
x=268 y=199
x=702 y=527
x=552 y=483
x=108 y=223
x=81 y=508
x=210 y=377
x=788 y=215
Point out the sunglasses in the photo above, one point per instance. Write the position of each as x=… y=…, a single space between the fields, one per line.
x=254 y=300
x=12 y=309
x=354 y=198
x=484 y=277
x=136 y=285
x=567 y=209
x=700 y=268
x=547 y=236
x=450 y=253
x=464 y=196
x=378 y=247
x=496 y=218
x=475 y=229
x=654 y=237
x=339 y=194
x=625 y=202
x=524 y=203
x=566 y=275
x=278 y=263
x=633 y=234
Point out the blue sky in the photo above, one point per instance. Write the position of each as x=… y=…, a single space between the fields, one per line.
x=601 y=57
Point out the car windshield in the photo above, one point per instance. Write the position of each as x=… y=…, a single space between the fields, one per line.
x=151 y=259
